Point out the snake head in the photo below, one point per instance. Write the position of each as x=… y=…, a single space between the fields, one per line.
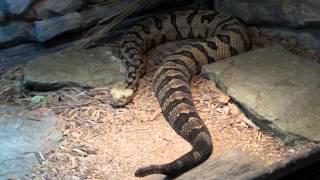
x=120 y=96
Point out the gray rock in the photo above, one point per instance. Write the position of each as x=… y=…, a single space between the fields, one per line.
x=233 y=164
x=307 y=37
x=92 y=15
x=309 y=13
x=2 y=15
x=307 y=162
x=20 y=54
x=278 y=90
x=289 y=13
x=284 y=18
x=93 y=67
x=48 y=28
x=14 y=32
x=22 y=136
x=95 y=1
x=17 y=7
x=51 y=8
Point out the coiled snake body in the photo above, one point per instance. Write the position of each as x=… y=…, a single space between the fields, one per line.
x=216 y=36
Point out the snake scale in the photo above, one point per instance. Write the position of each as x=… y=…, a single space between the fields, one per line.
x=216 y=36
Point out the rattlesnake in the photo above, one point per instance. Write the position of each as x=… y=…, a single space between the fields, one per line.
x=216 y=36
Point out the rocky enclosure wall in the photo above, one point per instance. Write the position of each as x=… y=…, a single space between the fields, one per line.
x=23 y=21
x=38 y=20
x=41 y=20
x=294 y=18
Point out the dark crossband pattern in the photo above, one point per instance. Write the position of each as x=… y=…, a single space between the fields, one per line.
x=217 y=37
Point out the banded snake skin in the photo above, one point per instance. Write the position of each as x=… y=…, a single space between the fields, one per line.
x=216 y=36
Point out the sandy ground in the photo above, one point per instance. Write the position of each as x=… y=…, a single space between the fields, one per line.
x=100 y=142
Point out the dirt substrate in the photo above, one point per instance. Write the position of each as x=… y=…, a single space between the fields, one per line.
x=101 y=142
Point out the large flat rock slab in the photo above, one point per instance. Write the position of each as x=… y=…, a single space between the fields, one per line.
x=23 y=135
x=239 y=165
x=96 y=67
x=303 y=165
x=278 y=90
x=233 y=164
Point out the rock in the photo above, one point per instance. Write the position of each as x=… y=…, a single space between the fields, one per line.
x=303 y=165
x=92 y=15
x=289 y=13
x=17 y=7
x=278 y=90
x=233 y=164
x=307 y=37
x=19 y=51
x=2 y=15
x=22 y=136
x=14 y=32
x=20 y=54
x=309 y=11
x=95 y=1
x=259 y=12
x=51 y=8
x=93 y=67
x=48 y=28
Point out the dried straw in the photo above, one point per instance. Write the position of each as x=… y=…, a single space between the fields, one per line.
x=105 y=24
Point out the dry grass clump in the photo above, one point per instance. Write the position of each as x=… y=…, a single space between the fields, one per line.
x=106 y=24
